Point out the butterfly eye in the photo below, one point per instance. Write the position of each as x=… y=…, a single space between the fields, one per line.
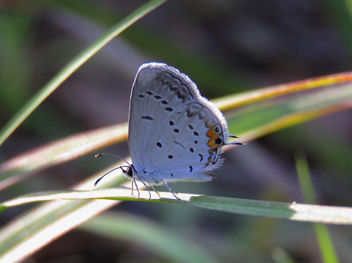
x=128 y=173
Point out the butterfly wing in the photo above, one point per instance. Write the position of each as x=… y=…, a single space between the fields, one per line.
x=174 y=133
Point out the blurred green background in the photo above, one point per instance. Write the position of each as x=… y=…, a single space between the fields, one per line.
x=225 y=47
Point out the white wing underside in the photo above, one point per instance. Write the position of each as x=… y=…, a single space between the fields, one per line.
x=168 y=124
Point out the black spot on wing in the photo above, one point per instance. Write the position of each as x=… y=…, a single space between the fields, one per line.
x=169 y=109
x=201 y=157
x=180 y=144
x=146 y=117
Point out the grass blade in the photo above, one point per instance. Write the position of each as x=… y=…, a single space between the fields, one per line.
x=325 y=243
x=17 y=168
x=38 y=98
x=244 y=98
x=291 y=211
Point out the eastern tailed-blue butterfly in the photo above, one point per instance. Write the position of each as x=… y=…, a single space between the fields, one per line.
x=174 y=134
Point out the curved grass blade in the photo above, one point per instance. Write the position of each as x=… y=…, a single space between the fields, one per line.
x=244 y=98
x=36 y=228
x=18 y=168
x=32 y=104
x=291 y=211
x=291 y=120
x=267 y=118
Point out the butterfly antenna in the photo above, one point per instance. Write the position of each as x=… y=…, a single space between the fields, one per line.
x=113 y=155
x=101 y=177
x=235 y=143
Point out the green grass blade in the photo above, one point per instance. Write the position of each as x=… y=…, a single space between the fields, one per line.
x=325 y=243
x=36 y=228
x=32 y=104
x=162 y=241
x=291 y=211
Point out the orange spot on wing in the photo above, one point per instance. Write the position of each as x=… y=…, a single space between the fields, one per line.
x=213 y=136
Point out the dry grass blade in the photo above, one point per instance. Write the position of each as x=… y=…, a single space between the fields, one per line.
x=60 y=151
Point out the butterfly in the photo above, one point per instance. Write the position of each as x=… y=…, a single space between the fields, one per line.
x=174 y=133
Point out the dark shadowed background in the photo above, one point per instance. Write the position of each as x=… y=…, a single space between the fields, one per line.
x=225 y=47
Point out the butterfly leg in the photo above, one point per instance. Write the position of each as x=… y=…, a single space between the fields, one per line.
x=155 y=190
x=150 y=195
x=173 y=193
x=132 y=181
x=135 y=183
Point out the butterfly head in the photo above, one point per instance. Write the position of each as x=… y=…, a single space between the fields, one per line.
x=129 y=173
